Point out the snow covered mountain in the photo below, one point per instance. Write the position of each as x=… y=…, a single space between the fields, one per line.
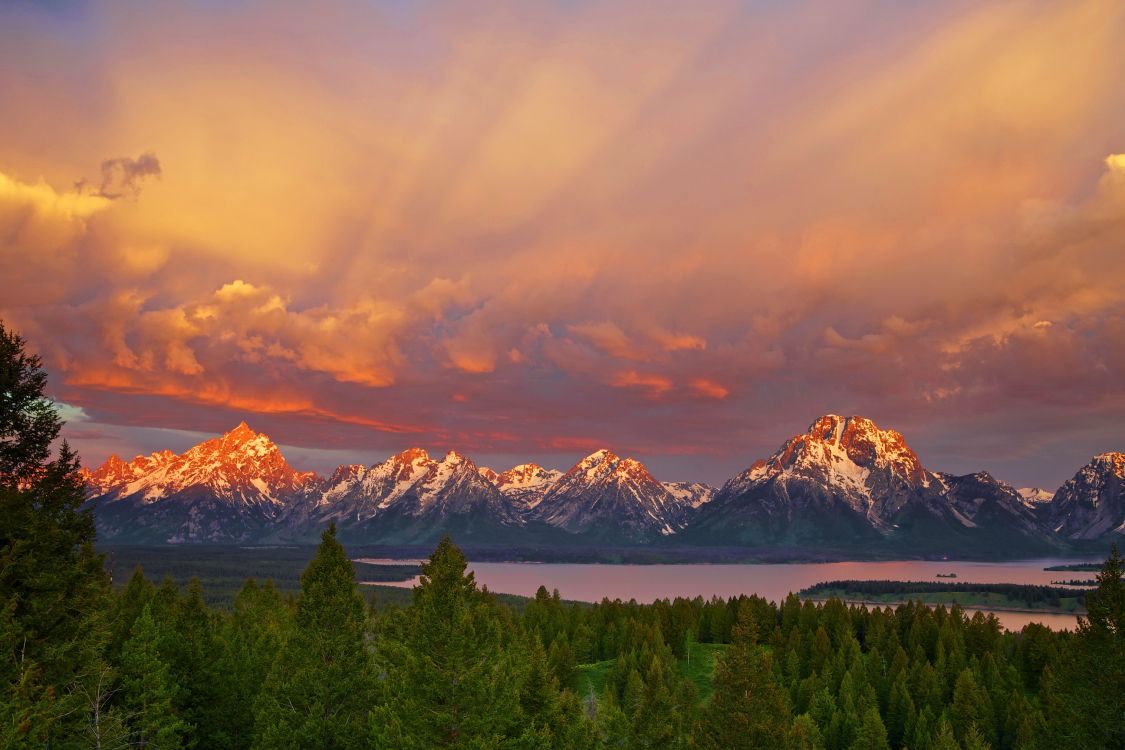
x=1035 y=496
x=1091 y=504
x=222 y=490
x=692 y=494
x=605 y=495
x=408 y=497
x=526 y=483
x=845 y=482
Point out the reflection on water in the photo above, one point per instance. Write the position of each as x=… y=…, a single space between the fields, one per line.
x=646 y=583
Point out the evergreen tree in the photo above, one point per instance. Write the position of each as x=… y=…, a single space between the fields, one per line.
x=447 y=682
x=53 y=590
x=1083 y=694
x=748 y=708
x=870 y=734
x=318 y=691
x=251 y=639
x=943 y=738
x=148 y=690
x=127 y=607
x=805 y=734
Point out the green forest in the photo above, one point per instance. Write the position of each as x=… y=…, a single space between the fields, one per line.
x=1008 y=595
x=154 y=666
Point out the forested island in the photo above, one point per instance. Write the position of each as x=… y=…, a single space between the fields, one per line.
x=1086 y=567
x=993 y=595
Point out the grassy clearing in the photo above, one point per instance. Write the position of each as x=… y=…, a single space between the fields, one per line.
x=699 y=668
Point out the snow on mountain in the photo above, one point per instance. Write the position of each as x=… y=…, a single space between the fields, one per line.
x=526 y=483
x=114 y=472
x=845 y=481
x=224 y=489
x=1091 y=504
x=869 y=469
x=606 y=495
x=1034 y=496
x=242 y=466
x=691 y=494
x=403 y=491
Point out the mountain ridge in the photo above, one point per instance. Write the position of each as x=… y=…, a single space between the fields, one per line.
x=844 y=482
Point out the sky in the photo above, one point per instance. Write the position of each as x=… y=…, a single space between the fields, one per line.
x=526 y=231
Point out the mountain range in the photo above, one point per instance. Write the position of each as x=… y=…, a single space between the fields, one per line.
x=844 y=485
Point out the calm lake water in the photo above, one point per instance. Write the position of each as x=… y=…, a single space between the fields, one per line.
x=646 y=583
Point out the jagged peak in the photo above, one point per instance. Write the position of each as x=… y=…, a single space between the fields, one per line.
x=241 y=431
x=347 y=471
x=837 y=441
x=412 y=455
x=605 y=463
x=1112 y=462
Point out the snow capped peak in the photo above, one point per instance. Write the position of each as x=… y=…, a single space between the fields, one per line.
x=604 y=491
x=453 y=457
x=526 y=482
x=1033 y=496
x=488 y=474
x=1091 y=504
x=856 y=440
x=411 y=456
x=1112 y=461
x=241 y=467
x=865 y=465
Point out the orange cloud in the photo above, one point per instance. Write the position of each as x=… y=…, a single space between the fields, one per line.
x=707 y=388
x=655 y=385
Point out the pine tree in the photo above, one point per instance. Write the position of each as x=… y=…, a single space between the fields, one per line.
x=1082 y=692
x=748 y=709
x=447 y=682
x=971 y=707
x=943 y=738
x=900 y=707
x=870 y=734
x=127 y=607
x=250 y=640
x=53 y=590
x=805 y=734
x=148 y=690
x=318 y=691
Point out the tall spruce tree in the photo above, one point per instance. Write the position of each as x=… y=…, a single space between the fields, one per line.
x=1083 y=695
x=319 y=689
x=447 y=682
x=53 y=590
x=148 y=690
x=748 y=709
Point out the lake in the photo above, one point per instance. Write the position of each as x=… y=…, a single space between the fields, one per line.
x=646 y=583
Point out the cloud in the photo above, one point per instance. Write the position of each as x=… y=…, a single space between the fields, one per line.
x=685 y=230
x=122 y=177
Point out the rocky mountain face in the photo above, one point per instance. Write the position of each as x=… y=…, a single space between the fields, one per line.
x=691 y=494
x=409 y=497
x=844 y=484
x=526 y=483
x=607 y=496
x=1091 y=504
x=222 y=490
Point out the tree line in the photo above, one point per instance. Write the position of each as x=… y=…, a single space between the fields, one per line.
x=153 y=666
x=1028 y=594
